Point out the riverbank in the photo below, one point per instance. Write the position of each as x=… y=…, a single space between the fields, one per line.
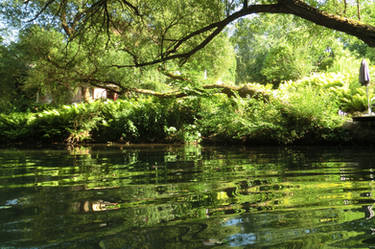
x=217 y=119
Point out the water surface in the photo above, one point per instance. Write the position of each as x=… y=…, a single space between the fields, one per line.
x=187 y=197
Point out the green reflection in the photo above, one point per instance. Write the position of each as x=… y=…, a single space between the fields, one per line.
x=187 y=197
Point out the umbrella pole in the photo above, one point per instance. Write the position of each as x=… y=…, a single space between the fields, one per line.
x=368 y=101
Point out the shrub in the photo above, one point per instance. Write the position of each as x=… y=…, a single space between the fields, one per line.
x=14 y=126
x=311 y=115
x=307 y=115
x=239 y=120
x=341 y=88
x=144 y=119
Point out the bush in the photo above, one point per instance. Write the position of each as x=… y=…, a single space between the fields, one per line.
x=341 y=88
x=142 y=119
x=238 y=120
x=312 y=115
x=14 y=127
x=284 y=63
x=306 y=115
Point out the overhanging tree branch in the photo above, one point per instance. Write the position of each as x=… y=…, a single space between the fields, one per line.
x=352 y=27
x=295 y=7
x=217 y=28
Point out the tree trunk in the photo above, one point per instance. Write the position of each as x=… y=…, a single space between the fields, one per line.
x=243 y=91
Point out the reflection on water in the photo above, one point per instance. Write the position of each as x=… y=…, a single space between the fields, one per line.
x=187 y=197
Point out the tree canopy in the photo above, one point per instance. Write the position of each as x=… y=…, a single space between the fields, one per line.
x=178 y=29
x=129 y=44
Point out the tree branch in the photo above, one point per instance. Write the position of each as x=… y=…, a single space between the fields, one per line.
x=135 y=9
x=352 y=27
x=43 y=9
x=217 y=28
x=63 y=20
x=105 y=84
x=242 y=91
x=358 y=11
x=295 y=7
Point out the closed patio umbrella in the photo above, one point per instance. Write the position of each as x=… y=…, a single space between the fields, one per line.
x=364 y=79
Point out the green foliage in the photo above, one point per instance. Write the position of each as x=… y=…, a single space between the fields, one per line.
x=219 y=118
x=217 y=61
x=269 y=48
x=345 y=62
x=58 y=64
x=306 y=116
x=133 y=120
x=55 y=67
x=274 y=48
x=342 y=89
x=14 y=126
x=301 y=111
x=312 y=115
x=237 y=119
x=278 y=49
x=141 y=120
x=13 y=68
x=137 y=34
x=280 y=64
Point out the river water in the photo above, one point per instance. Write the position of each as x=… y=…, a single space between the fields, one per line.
x=187 y=197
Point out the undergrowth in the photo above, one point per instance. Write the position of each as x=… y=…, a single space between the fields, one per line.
x=304 y=111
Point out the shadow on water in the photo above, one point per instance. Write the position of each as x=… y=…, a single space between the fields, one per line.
x=187 y=197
